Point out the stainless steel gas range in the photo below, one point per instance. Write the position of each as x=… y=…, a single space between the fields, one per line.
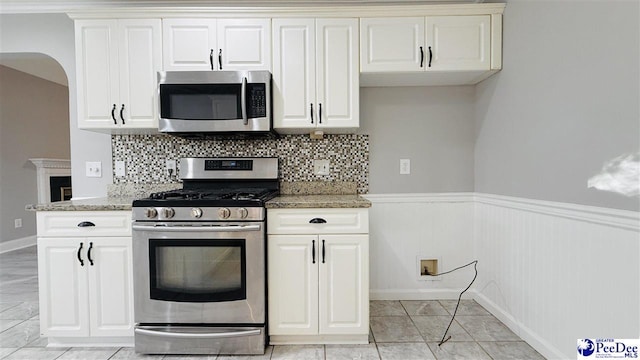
x=200 y=258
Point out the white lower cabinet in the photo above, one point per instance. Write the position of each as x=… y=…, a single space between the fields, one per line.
x=318 y=283
x=85 y=281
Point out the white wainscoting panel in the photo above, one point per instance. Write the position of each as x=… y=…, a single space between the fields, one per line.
x=405 y=226
x=556 y=272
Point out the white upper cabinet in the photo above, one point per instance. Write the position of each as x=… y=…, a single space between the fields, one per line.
x=315 y=75
x=458 y=42
x=445 y=50
x=217 y=44
x=244 y=44
x=116 y=62
x=392 y=44
x=189 y=44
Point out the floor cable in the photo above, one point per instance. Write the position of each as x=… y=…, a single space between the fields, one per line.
x=475 y=268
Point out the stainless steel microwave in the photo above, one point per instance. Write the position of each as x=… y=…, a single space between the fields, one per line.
x=203 y=104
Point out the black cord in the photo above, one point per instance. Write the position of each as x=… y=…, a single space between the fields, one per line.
x=475 y=268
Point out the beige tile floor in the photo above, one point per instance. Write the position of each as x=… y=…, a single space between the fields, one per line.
x=403 y=330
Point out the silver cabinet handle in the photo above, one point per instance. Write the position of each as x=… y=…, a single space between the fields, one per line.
x=172 y=334
x=214 y=228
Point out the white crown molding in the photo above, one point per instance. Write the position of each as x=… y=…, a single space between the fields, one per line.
x=253 y=8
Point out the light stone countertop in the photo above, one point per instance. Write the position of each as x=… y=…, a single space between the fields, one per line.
x=90 y=204
x=317 y=201
x=296 y=195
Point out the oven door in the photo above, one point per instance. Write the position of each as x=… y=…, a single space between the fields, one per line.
x=199 y=273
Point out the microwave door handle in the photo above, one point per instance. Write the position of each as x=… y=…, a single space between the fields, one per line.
x=243 y=101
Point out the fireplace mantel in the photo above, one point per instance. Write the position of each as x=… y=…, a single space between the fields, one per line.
x=46 y=168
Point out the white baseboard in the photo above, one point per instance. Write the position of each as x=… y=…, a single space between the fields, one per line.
x=541 y=346
x=417 y=294
x=17 y=244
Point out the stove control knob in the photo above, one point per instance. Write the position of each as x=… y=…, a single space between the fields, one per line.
x=196 y=213
x=224 y=213
x=168 y=213
x=243 y=213
x=150 y=213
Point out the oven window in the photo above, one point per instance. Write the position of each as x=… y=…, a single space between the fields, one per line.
x=197 y=270
x=201 y=101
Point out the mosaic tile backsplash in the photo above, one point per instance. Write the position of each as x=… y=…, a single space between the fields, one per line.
x=146 y=155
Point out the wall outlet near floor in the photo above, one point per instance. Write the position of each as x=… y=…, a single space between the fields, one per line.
x=120 y=168
x=321 y=167
x=94 y=169
x=405 y=166
x=17 y=223
x=428 y=268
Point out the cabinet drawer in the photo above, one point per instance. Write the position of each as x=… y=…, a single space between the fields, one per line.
x=67 y=223
x=336 y=221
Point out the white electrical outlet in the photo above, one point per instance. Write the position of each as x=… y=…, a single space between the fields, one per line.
x=120 y=169
x=405 y=166
x=93 y=169
x=170 y=165
x=17 y=223
x=321 y=167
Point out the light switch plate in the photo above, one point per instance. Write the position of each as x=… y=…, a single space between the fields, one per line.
x=120 y=169
x=94 y=169
x=321 y=167
x=405 y=166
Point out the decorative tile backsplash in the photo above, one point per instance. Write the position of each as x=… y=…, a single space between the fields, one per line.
x=146 y=155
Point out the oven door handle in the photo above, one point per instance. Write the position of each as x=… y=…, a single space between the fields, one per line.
x=197 y=228
x=149 y=331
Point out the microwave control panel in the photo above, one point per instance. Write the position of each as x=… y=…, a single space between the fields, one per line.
x=257 y=104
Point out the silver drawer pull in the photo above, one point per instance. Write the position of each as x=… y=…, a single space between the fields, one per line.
x=214 y=335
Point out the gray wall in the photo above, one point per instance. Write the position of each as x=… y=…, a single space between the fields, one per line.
x=431 y=126
x=34 y=123
x=565 y=102
x=53 y=35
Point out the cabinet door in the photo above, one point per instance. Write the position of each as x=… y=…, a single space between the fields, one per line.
x=344 y=284
x=337 y=73
x=189 y=44
x=294 y=78
x=96 y=72
x=110 y=286
x=293 y=284
x=140 y=60
x=244 y=44
x=459 y=42
x=392 y=44
x=64 y=309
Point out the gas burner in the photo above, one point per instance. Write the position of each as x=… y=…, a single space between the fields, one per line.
x=179 y=194
x=219 y=183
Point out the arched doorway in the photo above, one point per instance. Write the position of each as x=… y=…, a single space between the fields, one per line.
x=34 y=123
